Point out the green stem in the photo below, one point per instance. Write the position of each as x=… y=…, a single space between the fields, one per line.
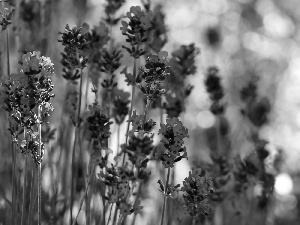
x=40 y=167
x=165 y=197
x=25 y=181
x=73 y=167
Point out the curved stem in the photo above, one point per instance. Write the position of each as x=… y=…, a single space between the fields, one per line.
x=165 y=197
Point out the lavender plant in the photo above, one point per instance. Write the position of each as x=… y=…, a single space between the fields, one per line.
x=111 y=180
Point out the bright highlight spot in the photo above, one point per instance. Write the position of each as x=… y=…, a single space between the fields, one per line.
x=283 y=184
x=205 y=119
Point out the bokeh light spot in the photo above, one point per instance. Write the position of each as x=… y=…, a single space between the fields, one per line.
x=283 y=184
x=205 y=119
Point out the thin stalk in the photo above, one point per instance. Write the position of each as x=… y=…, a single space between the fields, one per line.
x=193 y=221
x=137 y=198
x=87 y=89
x=73 y=151
x=112 y=205
x=25 y=181
x=165 y=197
x=13 y=149
x=17 y=196
x=131 y=105
x=118 y=138
x=104 y=210
x=115 y=215
x=13 y=184
x=85 y=193
x=31 y=196
x=146 y=110
x=7 y=52
x=40 y=168
x=87 y=196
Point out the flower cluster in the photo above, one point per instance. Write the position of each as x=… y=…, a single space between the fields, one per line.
x=197 y=188
x=119 y=190
x=213 y=37
x=5 y=18
x=221 y=177
x=138 y=148
x=95 y=40
x=24 y=94
x=158 y=36
x=173 y=133
x=111 y=7
x=120 y=105
x=29 y=89
x=74 y=42
x=257 y=107
x=98 y=125
x=215 y=90
x=182 y=64
x=139 y=125
x=32 y=146
x=136 y=29
x=153 y=74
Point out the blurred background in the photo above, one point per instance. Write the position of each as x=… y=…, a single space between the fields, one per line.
x=245 y=39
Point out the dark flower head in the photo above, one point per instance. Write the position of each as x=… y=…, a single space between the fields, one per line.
x=72 y=38
x=136 y=29
x=213 y=37
x=5 y=18
x=197 y=188
x=213 y=84
x=153 y=74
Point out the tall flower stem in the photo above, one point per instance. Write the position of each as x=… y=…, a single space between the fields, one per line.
x=10 y=126
x=32 y=196
x=7 y=52
x=85 y=193
x=25 y=181
x=118 y=138
x=40 y=167
x=165 y=197
x=112 y=205
x=73 y=151
x=131 y=105
x=146 y=110
x=13 y=184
